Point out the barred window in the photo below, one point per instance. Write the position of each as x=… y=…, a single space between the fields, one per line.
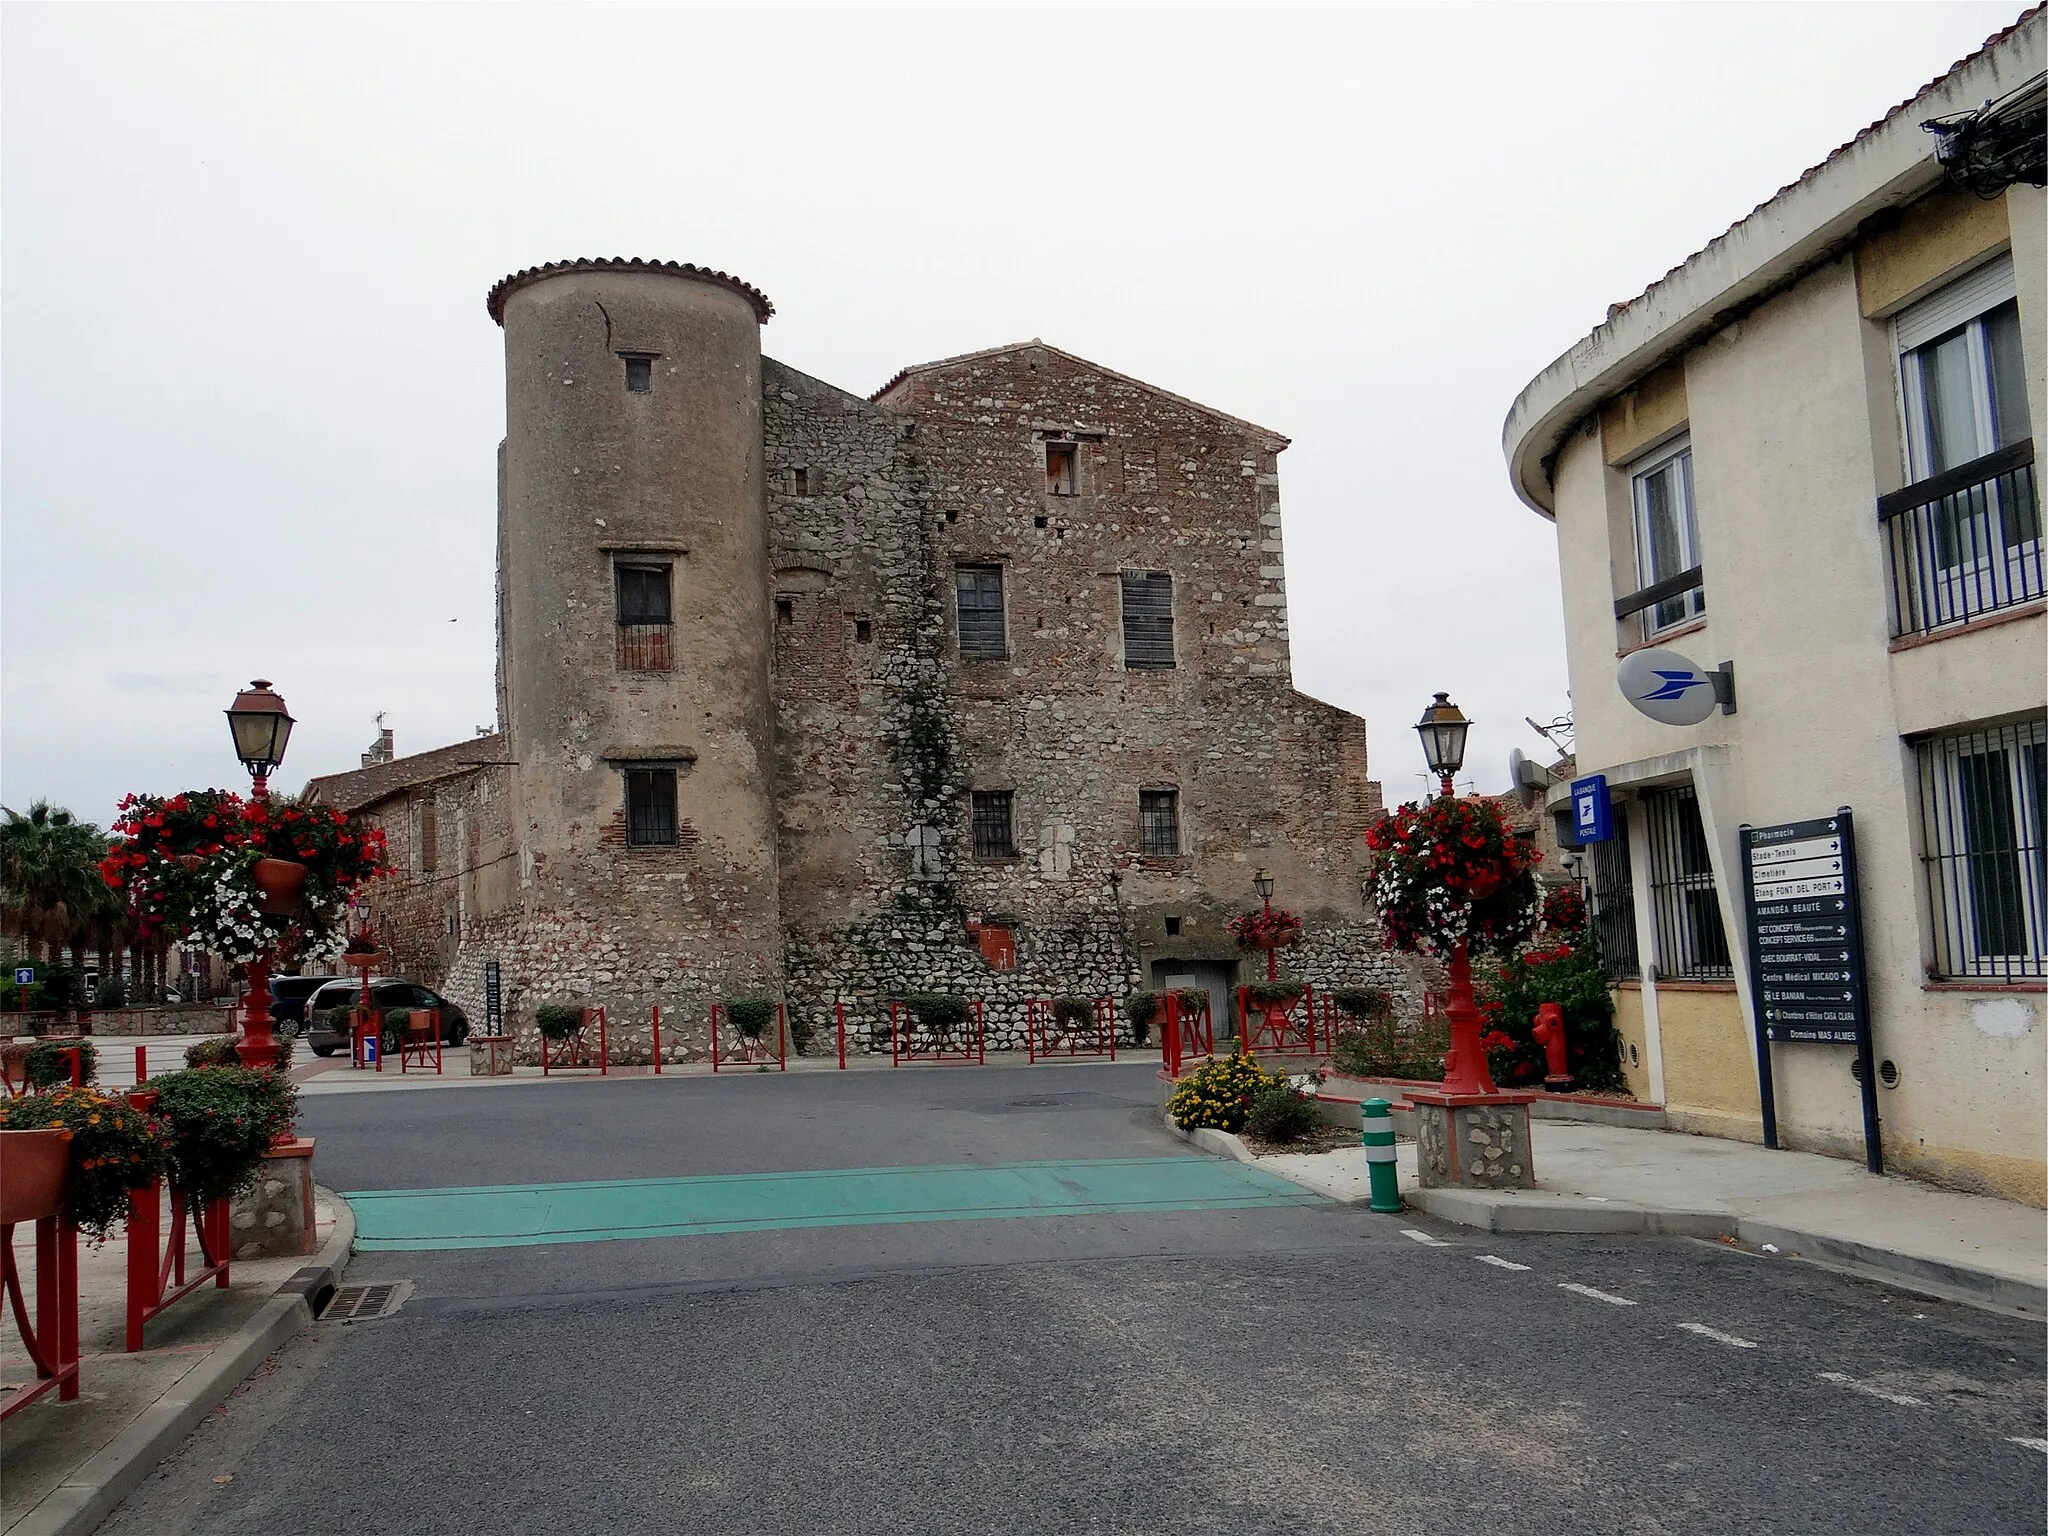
x=644 y=617
x=992 y=835
x=1159 y=822
x=650 y=807
x=1984 y=803
x=1148 y=620
x=1691 y=943
x=979 y=589
x=1614 y=902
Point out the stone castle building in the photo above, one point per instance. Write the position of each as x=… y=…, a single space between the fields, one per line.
x=980 y=684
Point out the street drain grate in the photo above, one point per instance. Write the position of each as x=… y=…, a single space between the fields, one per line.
x=360 y=1303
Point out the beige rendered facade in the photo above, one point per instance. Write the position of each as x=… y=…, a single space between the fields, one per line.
x=1808 y=451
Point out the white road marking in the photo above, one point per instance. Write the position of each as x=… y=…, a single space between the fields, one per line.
x=1500 y=1263
x=2029 y=1442
x=1424 y=1238
x=1868 y=1390
x=1718 y=1336
x=1586 y=1290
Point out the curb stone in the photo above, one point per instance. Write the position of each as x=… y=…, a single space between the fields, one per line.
x=77 y=1506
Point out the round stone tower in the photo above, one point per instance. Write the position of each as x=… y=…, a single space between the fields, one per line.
x=635 y=634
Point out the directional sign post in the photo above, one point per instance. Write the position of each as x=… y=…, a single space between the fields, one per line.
x=1806 y=953
x=494 y=1010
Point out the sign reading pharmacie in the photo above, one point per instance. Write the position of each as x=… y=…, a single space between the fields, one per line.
x=1806 y=931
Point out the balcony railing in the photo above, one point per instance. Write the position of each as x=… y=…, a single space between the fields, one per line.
x=644 y=647
x=1965 y=543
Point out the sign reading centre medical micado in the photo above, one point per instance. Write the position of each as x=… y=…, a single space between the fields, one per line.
x=1805 y=932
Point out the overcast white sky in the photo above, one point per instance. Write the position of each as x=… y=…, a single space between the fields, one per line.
x=251 y=396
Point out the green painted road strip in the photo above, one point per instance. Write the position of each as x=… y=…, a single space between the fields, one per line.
x=514 y=1216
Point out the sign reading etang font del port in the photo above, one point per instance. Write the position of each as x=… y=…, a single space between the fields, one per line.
x=1806 y=948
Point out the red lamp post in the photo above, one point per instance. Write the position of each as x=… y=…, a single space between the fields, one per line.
x=1262 y=882
x=261 y=725
x=1443 y=728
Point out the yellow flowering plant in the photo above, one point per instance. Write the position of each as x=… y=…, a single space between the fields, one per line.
x=1219 y=1093
x=114 y=1148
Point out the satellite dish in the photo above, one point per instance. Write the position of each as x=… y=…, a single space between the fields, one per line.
x=1668 y=688
x=1526 y=777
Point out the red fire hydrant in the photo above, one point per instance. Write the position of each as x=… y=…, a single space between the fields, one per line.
x=1549 y=1033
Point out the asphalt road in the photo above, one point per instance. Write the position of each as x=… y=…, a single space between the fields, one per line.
x=1287 y=1368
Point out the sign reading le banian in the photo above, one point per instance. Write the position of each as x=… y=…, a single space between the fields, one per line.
x=1805 y=930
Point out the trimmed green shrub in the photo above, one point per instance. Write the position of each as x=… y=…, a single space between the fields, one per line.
x=1362 y=1003
x=48 y=1062
x=938 y=1011
x=1072 y=1013
x=1387 y=1047
x=1282 y=991
x=751 y=1016
x=217 y=1052
x=1218 y=1094
x=558 y=1021
x=1281 y=1112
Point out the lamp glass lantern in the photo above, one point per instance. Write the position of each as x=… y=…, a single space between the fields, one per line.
x=1442 y=729
x=261 y=725
x=1262 y=882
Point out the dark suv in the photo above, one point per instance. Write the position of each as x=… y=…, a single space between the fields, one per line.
x=323 y=1035
x=288 y=996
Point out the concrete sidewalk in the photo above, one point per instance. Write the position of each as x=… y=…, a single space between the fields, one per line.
x=1601 y=1178
x=65 y=1466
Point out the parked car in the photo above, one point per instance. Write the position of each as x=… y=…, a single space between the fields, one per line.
x=385 y=993
x=288 y=996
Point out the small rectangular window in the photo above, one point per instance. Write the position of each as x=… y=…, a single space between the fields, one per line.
x=863 y=631
x=639 y=374
x=1148 y=620
x=650 y=807
x=644 y=617
x=1159 y=822
x=1173 y=927
x=430 y=842
x=785 y=611
x=992 y=835
x=1667 y=535
x=979 y=589
x=1062 y=469
x=799 y=481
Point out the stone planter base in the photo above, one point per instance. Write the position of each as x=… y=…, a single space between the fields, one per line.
x=490 y=1055
x=275 y=1220
x=1473 y=1140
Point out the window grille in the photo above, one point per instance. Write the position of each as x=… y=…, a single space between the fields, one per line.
x=980 y=593
x=992 y=835
x=1691 y=943
x=1159 y=822
x=1614 y=902
x=1148 y=620
x=650 y=807
x=1984 y=802
x=644 y=617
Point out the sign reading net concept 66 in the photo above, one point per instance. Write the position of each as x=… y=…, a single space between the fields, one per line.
x=1806 y=931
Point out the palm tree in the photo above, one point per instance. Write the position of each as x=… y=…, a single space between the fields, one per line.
x=50 y=885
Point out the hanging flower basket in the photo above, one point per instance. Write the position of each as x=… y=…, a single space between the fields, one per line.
x=1276 y=929
x=1451 y=872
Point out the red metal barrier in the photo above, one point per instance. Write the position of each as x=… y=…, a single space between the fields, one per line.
x=1043 y=1035
x=747 y=1051
x=944 y=1046
x=1280 y=1029
x=158 y=1273
x=1185 y=1033
x=839 y=1010
x=573 y=1051
x=655 y=1017
x=52 y=1343
x=420 y=1043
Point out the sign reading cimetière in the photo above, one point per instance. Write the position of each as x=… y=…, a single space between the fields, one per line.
x=1806 y=934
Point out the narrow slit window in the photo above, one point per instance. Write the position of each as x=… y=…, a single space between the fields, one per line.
x=863 y=631
x=650 y=807
x=785 y=611
x=993 y=838
x=1062 y=469
x=798 y=480
x=1148 y=621
x=639 y=374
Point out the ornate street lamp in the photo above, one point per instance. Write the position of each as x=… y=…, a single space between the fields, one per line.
x=1262 y=882
x=261 y=726
x=1442 y=729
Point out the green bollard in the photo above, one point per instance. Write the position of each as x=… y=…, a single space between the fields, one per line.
x=1375 y=1118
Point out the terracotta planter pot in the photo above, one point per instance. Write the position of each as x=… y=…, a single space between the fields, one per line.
x=281 y=885
x=34 y=1168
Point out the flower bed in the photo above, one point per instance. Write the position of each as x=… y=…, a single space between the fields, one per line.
x=1218 y=1094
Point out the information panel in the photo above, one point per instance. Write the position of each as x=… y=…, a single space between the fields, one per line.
x=494 y=1011
x=1805 y=933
